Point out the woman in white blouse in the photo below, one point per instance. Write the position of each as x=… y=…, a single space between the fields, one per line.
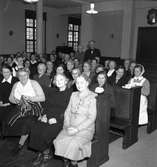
x=27 y=94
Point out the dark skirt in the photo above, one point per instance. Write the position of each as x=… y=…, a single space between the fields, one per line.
x=21 y=127
x=26 y=109
x=42 y=135
x=7 y=112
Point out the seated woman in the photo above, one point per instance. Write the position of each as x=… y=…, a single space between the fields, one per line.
x=41 y=77
x=69 y=68
x=87 y=70
x=5 y=89
x=27 y=94
x=74 y=141
x=75 y=73
x=120 y=79
x=50 y=124
x=98 y=69
x=102 y=87
x=60 y=69
x=139 y=80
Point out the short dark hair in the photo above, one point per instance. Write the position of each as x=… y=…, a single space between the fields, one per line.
x=6 y=66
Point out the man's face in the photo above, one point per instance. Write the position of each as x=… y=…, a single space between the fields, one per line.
x=91 y=45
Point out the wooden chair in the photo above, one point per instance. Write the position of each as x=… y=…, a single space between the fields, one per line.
x=125 y=115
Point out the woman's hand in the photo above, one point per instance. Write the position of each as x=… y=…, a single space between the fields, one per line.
x=17 y=101
x=72 y=131
x=52 y=121
x=99 y=90
x=4 y=104
x=27 y=98
x=43 y=118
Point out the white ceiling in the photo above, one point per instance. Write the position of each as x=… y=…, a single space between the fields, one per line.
x=69 y=3
x=74 y=3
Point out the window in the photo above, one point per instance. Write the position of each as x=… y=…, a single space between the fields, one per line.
x=73 y=32
x=30 y=31
x=30 y=35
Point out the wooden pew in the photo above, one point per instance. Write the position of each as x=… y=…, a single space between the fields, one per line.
x=100 y=144
x=124 y=119
x=152 y=108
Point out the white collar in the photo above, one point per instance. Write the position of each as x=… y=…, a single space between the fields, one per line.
x=9 y=80
x=33 y=62
x=110 y=72
x=139 y=78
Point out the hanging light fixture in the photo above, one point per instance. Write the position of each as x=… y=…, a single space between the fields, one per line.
x=31 y=1
x=92 y=10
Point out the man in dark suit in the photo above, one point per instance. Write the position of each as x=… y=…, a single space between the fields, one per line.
x=91 y=52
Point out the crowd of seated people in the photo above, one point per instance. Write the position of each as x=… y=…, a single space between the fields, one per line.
x=23 y=79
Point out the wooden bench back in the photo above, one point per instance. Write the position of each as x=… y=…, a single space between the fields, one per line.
x=126 y=103
x=152 y=98
x=100 y=145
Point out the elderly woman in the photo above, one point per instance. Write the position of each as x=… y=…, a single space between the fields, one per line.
x=139 y=80
x=27 y=94
x=41 y=77
x=74 y=141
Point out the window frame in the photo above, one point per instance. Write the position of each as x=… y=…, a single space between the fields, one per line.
x=74 y=22
x=31 y=14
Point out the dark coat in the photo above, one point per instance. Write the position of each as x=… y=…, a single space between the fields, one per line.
x=5 y=89
x=42 y=134
x=121 y=82
x=44 y=80
x=91 y=54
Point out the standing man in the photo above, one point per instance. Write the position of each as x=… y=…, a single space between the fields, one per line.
x=91 y=52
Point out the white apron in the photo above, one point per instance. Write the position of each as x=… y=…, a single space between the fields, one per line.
x=143 y=115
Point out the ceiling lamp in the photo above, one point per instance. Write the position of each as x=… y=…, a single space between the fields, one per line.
x=92 y=10
x=31 y=1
